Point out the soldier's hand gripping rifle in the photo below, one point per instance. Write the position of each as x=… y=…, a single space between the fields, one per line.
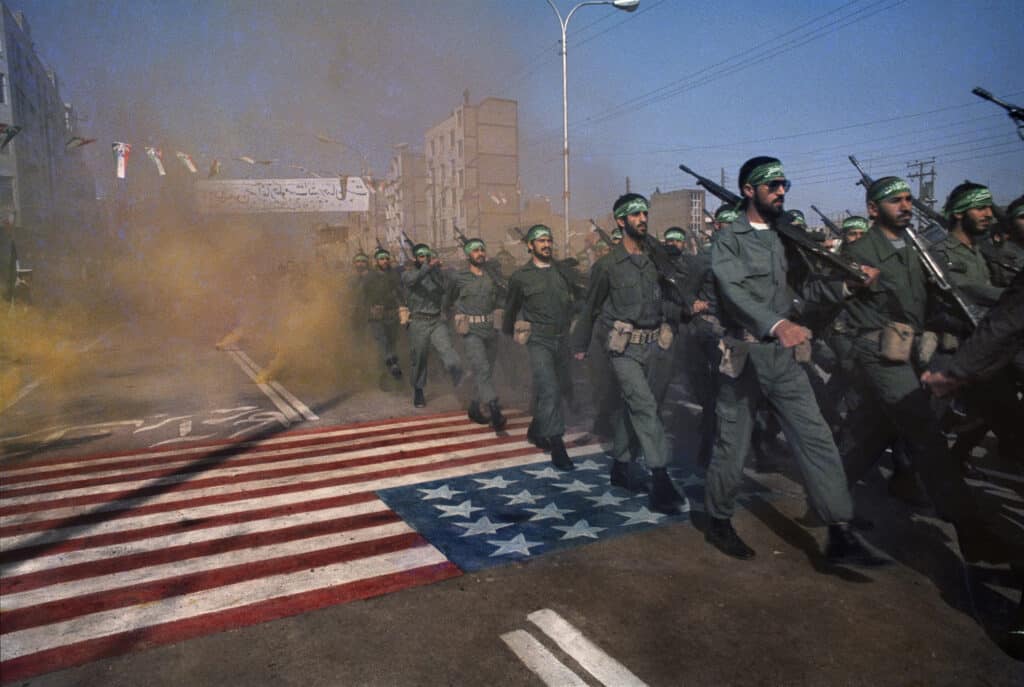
x=787 y=231
x=931 y=266
x=1016 y=113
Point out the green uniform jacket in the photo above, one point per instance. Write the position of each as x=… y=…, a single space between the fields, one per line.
x=424 y=289
x=901 y=292
x=1005 y=261
x=381 y=288
x=622 y=287
x=475 y=295
x=758 y=280
x=998 y=338
x=966 y=269
x=541 y=296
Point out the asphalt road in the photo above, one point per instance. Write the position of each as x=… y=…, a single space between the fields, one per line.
x=656 y=606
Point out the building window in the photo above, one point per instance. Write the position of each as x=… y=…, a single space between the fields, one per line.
x=432 y=151
x=451 y=138
x=461 y=179
x=3 y=88
x=458 y=117
x=460 y=149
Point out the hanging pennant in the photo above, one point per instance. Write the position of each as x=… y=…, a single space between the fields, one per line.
x=77 y=142
x=157 y=156
x=7 y=132
x=214 y=169
x=187 y=160
x=121 y=153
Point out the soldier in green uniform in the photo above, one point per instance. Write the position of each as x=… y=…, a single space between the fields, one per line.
x=616 y=236
x=354 y=286
x=425 y=287
x=381 y=295
x=625 y=296
x=1005 y=250
x=880 y=321
x=475 y=296
x=854 y=227
x=757 y=278
x=537 y=314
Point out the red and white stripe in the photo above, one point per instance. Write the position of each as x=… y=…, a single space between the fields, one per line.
x=107 y=554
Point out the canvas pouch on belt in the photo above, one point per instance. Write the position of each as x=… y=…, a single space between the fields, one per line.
x=665 y=336
x=521 y=332
x=896 y=342
x=499 y=318
x=461 y=324
x=403 y=315
x=618 y=336
x=734 y=356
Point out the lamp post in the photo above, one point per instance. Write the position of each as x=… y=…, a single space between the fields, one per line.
x=624 y=5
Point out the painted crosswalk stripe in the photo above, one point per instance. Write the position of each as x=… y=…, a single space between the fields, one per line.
x=593 y=659
x=542 y=662
x=125 y=551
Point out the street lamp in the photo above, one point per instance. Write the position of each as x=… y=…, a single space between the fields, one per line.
x=626 y=6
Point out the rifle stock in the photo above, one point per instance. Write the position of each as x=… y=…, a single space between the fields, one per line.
x=836 y=231
x=720 y=192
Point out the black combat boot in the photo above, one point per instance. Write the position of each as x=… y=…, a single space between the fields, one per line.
x=559 y=456
x=475 y=414
x=720 y=534
x=845 y=548
x=417 y=398
x=664 y=498
x=622 y=476
x=393 y=368
x=536 y=439
x=498 y=421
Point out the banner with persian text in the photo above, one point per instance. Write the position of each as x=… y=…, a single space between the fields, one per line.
x=344 y=194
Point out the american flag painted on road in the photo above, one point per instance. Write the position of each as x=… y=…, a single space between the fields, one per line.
x=108 y=554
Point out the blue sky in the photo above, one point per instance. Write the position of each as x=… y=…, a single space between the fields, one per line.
x=709 y=84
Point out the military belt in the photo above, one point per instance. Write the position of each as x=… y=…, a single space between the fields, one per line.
x=546 y=329
x=479 y=319
x=425 y=316
x=643 y=336
x=379 y=312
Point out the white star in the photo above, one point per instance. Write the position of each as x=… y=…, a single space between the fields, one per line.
x=481 y=526
x=517 y=544
x=576 y=485
x=606 y=499
x=498 y=482
x=522 y=497
x=588 y=464
x=582 y=528
x=640 y=516
x=442 y=492
x=464 y=510
x=546 y=473
x=550 y=511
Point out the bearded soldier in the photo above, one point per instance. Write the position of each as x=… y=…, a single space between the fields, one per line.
x=424 y=292
x=625 y=296
x=475 y=296
x=758 y=279
x=537 y=315
x=381 y=296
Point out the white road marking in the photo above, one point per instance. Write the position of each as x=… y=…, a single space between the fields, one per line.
x=160 y=424
x=1004 y=475
x=253 y=373
x=542 y=662
x=595 y=661
x=289 y=396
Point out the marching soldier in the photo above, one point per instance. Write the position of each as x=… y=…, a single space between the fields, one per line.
x=1006 y=255
x=753 y=271
x=854 y=227
x=537 y=315
x=424 y=293
x=381 y=295
x=475 y=296
x=625 y=296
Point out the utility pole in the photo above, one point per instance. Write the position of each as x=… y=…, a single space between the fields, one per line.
x=627 y=184
x=925 y=184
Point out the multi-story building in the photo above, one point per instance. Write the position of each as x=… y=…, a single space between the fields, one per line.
x=405 y=196
x=472 y=165
x=682 y=208
x=45 y=188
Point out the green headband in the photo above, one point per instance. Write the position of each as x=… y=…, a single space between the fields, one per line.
x=675 y=235
x=764 y=173
x=799 y=219
x=473 y=244
x=537 y=231
x=965 y=200
x=727 y=215
x=361 y=257
x=1015 y=212
x=631 y=206
x=854 y=223
x=884 y=188
x=616 y=233
x=381 y=253
x=422 y=251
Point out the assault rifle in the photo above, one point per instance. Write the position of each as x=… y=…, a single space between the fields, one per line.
x=602 y=233
x=1016 y=113
x=925 y=211
x=406 y=241
x=931 y=266
x=787 y=231
x=829 y=224
x=492 y=268
x=663 y=263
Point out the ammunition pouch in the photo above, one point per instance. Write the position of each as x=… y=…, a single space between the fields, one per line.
x=734 y=356
x=403 y=316
x=461 y=324
x=925 y=347
x=802 y=352
x=521 y=332
x=619 y=337
x=895 y=341
x=498 y=317
x=949 y=343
